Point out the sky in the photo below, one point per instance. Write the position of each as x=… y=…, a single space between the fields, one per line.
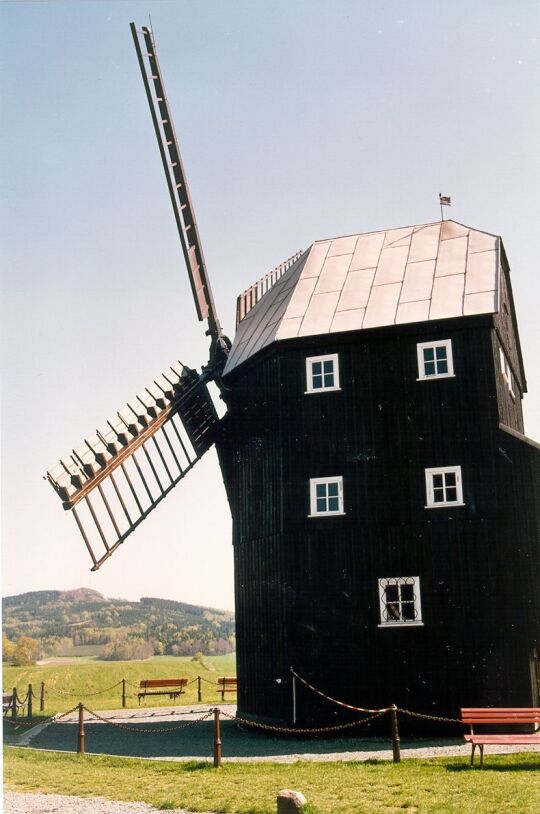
x=297 y=120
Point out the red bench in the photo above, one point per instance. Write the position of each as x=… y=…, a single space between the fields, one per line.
x=173 y=687
x=500 y=715
x=227 y=684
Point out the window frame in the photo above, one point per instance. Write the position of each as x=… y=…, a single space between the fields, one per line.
x=430 y=489
x=313 y=483
x=434 y=343
x=506 y=370
x=310 y=361
x=382 y=584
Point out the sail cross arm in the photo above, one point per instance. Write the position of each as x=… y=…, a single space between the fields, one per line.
x=122 y=472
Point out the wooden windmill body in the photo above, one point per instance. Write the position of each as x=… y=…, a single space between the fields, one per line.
x=385 y=499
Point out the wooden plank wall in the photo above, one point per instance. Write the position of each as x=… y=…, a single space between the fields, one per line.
x=307 y=591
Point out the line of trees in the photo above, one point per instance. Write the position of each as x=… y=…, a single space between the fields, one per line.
x=24 y=650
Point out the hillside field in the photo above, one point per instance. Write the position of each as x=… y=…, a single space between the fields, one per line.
x=68 y=683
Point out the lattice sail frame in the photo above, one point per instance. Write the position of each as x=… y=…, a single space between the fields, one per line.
x=108 y=488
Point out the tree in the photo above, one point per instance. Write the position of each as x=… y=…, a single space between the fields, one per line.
x=26 y=651
x=8 y=648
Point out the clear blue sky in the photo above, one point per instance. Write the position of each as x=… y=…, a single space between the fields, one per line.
x=297 y=121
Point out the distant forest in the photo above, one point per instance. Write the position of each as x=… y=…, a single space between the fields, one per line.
x=65 y=623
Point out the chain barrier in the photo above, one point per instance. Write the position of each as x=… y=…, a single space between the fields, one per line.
x=334 y=700
x=146 y=730
x=51 y=720
x=431 y=717
x=311 y=731
x=207 y=680
x=84 y=694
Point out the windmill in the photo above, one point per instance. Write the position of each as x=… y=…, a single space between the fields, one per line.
x=375 y=462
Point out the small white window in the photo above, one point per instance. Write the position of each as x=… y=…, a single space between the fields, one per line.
x=508 y=376
x=322 y=373
x=326 y=496
x=399 y=599
x=444 y=487
x=435 y=360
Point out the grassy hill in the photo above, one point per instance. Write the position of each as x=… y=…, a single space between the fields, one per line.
x=84 y=622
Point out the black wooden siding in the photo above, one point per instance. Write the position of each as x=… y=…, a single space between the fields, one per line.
x=307 y=588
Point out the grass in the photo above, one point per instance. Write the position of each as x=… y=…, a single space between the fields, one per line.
x=508 y=783
x=66 y=684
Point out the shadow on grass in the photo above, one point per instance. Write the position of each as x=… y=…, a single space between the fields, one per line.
x=533 y=766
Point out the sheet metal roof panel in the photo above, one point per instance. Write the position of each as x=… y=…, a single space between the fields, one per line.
x=376 y=279
x=418 y=281
x=333 y=273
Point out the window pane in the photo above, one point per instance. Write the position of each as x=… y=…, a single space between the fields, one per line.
x=321 y=504
x=429 y=368
x=437 y=480
x=442 y=367
x=428 y=355
x=450 y=478
x=329 y=367
x=316 y=382
x=451 y=494
x=329 y=380
x=407 y=612
x=320 y=490
x=407 y=593
x=391 y=592
x=392 y=612
x=333 y=504
x=438 y=495
x=316 y=368
x=332 y=489
x=440 y=352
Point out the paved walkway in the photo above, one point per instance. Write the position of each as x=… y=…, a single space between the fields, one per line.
x=155 y=733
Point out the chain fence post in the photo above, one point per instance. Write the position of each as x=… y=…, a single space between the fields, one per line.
x=42 y=697
x=30 y=693
x=123 y=692
x=395 y=735
x=14 y=704
x=217 y=739
x=80 y=733
x=199 y=689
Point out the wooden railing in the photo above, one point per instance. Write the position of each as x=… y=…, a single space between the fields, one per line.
x=254 y=293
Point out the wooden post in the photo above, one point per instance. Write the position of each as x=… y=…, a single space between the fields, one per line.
x=293 y=698
x=14 y=704
x=123 y=692
x=199 y=689
x=42 y=697
x=217 y=739
x=80 y=733
x=395 y=735
x=29 y=701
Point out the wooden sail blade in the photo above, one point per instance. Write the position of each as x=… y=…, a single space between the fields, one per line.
x=177 y=184
x=122 y=472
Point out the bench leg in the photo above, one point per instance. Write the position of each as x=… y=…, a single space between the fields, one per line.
x=481 y=755
x=472 y=754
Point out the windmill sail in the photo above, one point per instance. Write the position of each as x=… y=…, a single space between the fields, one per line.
x=176 y=181
x=120 y=474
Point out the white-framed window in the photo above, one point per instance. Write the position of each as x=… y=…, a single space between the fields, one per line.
x=326 y=496
x=322 y=373
x=399 y=599
x=508 y=376
x=444 y=487
x=435 y=359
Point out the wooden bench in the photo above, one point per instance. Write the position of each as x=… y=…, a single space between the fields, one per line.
x=227 y=684
x=7 y=702
x=500 y=715
x=173 y=687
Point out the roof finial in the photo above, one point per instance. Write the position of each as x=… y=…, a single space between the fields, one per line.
x=444 y=200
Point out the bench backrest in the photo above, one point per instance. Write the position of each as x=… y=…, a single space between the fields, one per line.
x=226 y=681
x=162 y=682
x=500 y=715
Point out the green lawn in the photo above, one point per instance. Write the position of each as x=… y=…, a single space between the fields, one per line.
x=507 y=785
x=66 y=684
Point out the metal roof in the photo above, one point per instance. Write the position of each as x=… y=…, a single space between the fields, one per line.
x=413 y=274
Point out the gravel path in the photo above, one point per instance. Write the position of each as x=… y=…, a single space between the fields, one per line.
x=16 y=802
